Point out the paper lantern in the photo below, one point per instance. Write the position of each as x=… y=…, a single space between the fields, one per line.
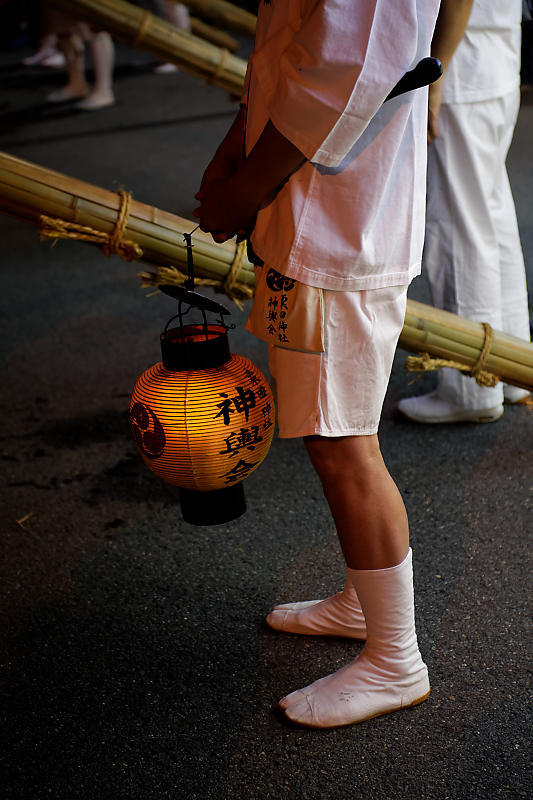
x=203 y=419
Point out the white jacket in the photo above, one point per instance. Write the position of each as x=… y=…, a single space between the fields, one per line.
x=353 y=216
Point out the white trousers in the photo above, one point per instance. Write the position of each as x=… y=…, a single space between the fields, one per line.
x=472 y=254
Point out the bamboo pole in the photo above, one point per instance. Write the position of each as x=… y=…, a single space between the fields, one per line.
x=27 y=191
x=139 y=28
x=231 y=15
x=520 y=374
x=213 y=35
x=463 y=331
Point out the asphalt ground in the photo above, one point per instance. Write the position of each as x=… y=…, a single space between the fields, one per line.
x=135 y=660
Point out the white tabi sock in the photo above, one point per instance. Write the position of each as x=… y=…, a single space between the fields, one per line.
x=389 y=673
x=339 y=615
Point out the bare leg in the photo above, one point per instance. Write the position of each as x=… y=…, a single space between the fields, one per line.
x=177 y=14
x=103 y=56
x=365 y=503
x=72 y=48
x=371 y=524
x=371 y=521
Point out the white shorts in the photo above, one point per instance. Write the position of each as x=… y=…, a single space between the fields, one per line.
x=340 y=392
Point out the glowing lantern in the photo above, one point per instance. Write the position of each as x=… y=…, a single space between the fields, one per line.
x=203 y=419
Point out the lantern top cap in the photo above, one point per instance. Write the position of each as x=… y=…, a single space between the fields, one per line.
x=193 y=299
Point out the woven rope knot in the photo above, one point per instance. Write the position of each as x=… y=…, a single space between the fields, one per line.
x=143 y=27
x=56 y=228
x=478 y=371
x=220 y=66
x=425 y=363
x=232 y=280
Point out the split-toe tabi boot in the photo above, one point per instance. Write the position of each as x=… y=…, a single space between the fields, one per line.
x=339 y=615
x=389 y=673
x=432 y=409
x=514 y=395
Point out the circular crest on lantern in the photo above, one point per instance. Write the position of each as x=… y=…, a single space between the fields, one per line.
x=147 y=431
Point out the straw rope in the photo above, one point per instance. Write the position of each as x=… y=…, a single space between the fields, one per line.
x=143 y=27
x=484 y=378
x=231 y=286
x=232 y=279
x=425 y=363
x=56 y=228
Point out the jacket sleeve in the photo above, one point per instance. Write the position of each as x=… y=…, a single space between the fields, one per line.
x=337 y=71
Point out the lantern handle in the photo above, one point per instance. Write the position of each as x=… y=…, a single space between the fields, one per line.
x=195 y=299
x=172 y=320
x=189 y=283
x=180 y=316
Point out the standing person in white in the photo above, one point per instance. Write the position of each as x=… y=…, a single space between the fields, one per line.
x=332 y=181
x=472 y=255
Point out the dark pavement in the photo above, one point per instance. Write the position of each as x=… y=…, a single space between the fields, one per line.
x=135 y=662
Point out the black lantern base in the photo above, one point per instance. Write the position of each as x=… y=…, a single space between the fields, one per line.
x=213 y=508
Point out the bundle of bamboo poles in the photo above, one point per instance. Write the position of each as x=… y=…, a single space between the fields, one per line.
x=28 y=192
x=140 y=28
x=449 y=338
x=228 y=14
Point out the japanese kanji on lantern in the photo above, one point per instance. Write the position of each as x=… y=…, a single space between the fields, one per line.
x=203 y=419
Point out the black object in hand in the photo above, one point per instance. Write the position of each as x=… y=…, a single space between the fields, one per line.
x=426 y=71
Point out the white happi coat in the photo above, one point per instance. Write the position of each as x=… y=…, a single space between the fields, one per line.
x=352 y=217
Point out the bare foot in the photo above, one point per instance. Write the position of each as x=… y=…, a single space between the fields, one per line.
x=96 y=100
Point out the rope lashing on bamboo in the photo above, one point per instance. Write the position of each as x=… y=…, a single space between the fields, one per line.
x=425 y=363
x=232 y=279
x=484 y=378
x=143 y=27
x=220 y=66
x=56 y=228
x=231 y=286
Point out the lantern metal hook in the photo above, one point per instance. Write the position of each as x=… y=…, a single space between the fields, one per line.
x=186 y=295
x=189 y=283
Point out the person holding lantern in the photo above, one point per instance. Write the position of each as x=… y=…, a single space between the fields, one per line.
x=331 y=182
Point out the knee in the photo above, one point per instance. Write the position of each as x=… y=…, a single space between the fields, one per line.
x=348 y=457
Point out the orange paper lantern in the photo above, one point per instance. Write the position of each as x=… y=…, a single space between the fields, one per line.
x=203 y=419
